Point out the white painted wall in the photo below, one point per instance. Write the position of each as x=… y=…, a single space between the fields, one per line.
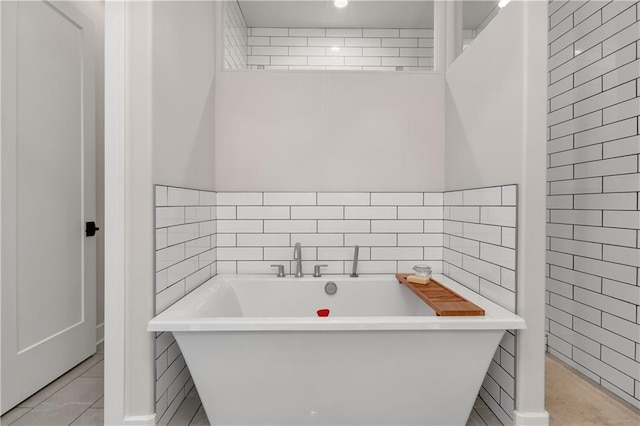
x=338 y=131
x=484 y=108
x=276 y=131
x=139 y=232
x=182 y=91
x=532 y=219
x=160 y=70
x=495 y=134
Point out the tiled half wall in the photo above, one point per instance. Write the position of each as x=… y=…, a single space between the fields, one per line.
x=185 y=258
x=480 y=253
x=593 y=292
x=382 y=49
x=394 y=231
x=371 y=49
x=201 y=233
x=235 y=37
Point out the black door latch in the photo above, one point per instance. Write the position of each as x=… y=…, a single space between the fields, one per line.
x=90 y=229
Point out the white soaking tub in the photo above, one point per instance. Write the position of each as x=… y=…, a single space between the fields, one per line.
x=259 y=354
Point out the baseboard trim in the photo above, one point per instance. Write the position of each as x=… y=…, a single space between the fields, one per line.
x=99 y=333
x=148 y=420
x=532 y=418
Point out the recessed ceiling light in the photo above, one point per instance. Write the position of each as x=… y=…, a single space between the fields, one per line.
x=503 y=3
x=340 y=3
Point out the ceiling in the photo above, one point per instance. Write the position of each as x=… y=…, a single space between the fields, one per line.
x=323 y=14
x=357 y=14
x=474 y=12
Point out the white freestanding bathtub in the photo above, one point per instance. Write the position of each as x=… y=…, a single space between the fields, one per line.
x=259 y=355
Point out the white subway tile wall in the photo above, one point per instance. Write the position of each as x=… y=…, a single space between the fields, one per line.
x=468 y=235
x=393 y=230
x=479 y=249
x=185 y=258
x=236 y=37
x=593 y=292
x=341 y=49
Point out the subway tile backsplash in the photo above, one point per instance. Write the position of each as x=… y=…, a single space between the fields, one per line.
x=236 y=37
x=260 y=229
x=479 y=251
x=593 y=296
x=372 y=49
x=185 y=258
x=468 y=235
x=340 y=49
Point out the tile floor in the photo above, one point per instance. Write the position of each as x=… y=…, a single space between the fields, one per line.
x=571 y=399
x=76 y=399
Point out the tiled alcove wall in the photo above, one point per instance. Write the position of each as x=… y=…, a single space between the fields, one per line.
x=593 y=293
x=381 y=49
x=185 y=258
x=480 y=253
x=249 y=231
x=235 y=37
x=394 y=230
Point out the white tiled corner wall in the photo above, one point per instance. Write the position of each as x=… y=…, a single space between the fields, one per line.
x=593 y=257
x=185 y=258
x=373 y=49
x=468 y=235
x=235 y=37
x=394 y=231
x=480 y=253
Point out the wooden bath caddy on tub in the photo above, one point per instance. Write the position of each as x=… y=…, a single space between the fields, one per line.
x=444 y=302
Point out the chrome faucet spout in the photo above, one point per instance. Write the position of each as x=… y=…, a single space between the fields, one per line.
x=354 y=271
x=297 y=256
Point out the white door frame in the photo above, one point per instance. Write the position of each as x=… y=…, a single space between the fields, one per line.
x=0 y=195
x=115 y=213
x=129 y=233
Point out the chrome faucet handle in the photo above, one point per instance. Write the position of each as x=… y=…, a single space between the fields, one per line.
x=316 y=270
x=297 y=256
x=280 y=270
x=354 y=272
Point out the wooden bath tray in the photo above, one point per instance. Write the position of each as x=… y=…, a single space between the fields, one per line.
x=444 y=302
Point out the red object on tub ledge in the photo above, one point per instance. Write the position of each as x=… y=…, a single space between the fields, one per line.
x=323 y=312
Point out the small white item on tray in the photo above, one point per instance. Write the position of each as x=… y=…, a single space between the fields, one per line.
x=414 y=279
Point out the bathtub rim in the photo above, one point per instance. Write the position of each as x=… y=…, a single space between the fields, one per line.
x=176 y=317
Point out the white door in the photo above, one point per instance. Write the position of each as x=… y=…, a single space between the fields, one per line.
x=47 y=195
